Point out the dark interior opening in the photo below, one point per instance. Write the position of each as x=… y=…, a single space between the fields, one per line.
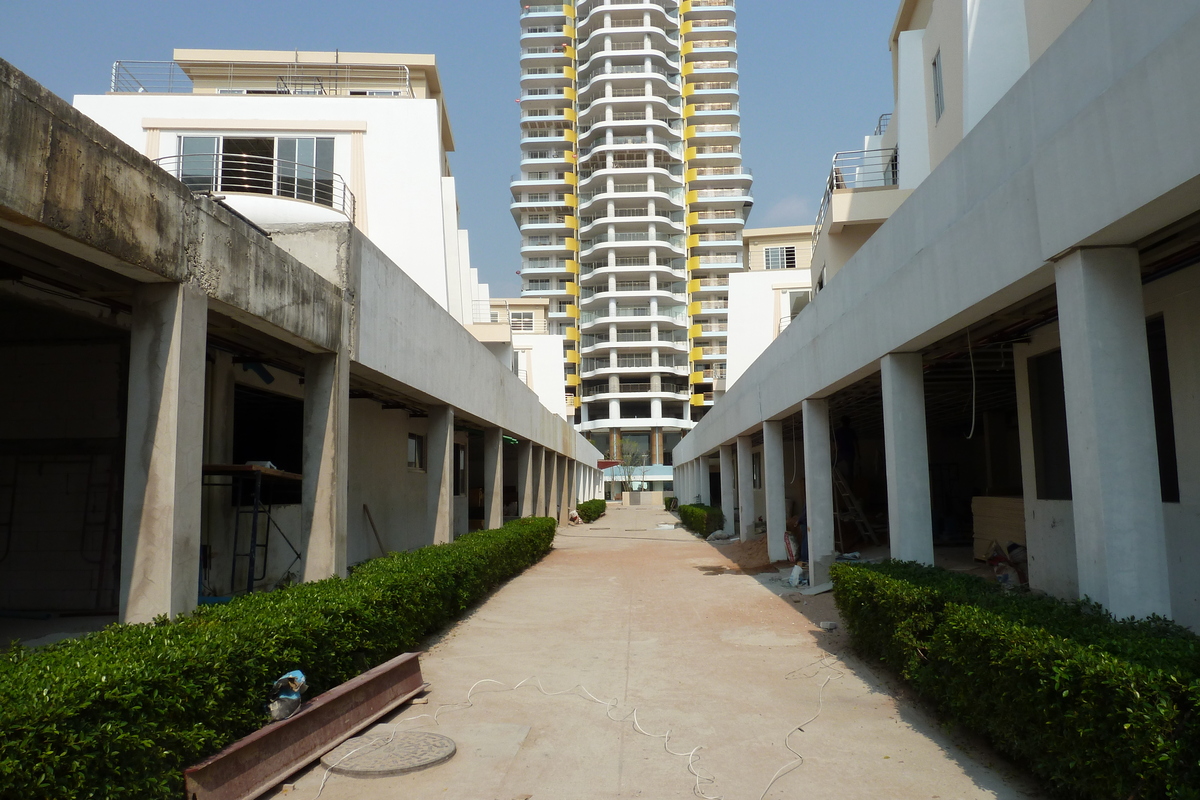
x=270 y=427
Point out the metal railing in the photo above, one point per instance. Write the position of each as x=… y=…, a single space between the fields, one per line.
x=857 y=169
x=236 y=173
x=258 y=78
x=882 y=126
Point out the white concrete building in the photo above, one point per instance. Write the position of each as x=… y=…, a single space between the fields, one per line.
x=1021 y=329
x=517 y=330
x=195 y=406
x=631 y=203
x=359 y=137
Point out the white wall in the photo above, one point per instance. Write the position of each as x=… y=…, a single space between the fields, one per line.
x=996 y=54
x=912 y=110
x=754 y=314
x=401 y=201
x=546 y=375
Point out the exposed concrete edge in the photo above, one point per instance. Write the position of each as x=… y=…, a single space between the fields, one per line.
x=255 y=764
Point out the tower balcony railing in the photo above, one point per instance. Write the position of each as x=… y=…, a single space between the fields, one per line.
x=858 y=169
x=237 y=173
x=253 y=78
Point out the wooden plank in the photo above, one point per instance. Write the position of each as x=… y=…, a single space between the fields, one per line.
x=253 y=765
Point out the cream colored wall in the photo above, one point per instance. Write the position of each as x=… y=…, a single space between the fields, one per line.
x=944 y=32
x=755 y=246
x=1047 y=20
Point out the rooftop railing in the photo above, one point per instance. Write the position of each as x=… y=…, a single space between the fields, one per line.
x=262 y=78
x=857 y=169
x=237 y=173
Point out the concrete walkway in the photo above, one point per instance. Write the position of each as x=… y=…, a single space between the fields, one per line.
x=657 y=620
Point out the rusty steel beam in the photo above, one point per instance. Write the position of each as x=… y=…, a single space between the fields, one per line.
x=251 y=766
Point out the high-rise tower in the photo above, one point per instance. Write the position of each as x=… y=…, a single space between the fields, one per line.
x=631 y=203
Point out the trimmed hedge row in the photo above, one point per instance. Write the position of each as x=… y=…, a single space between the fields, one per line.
x=120 y=713
x=1098 y=708
x=701 y=519
x=591 y=510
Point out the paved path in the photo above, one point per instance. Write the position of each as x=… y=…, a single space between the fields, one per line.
x=654 y=619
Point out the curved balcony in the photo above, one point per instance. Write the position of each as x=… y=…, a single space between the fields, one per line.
x=636 y=49
x=629 y=271
x=641 y=423
x=632 y=26
x=266 y=190
x=637 y=314
x=642 y=390
x=643 y=295
x=589 y=223
x=634 y=344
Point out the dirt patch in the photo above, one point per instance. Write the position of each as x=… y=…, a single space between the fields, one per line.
x=721 y=570
x=747 y=555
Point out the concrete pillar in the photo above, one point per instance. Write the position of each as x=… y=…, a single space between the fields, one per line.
x=773 y=482
x=705 y=484
x=493 y=478
x=728 y=484
x=572 y=484
x=218 y=516
x=539 y=481
x=910 y=518
x=323 y=496
x=818 y=488
x=439 y=474
x=164 y=441
x=563 y=479
x=551 y=507
x=525 y=481
x=1120 y=543
x=746 y=512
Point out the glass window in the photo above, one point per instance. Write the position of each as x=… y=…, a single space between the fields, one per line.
x=756 y=470
x=198 y=165
x=521 y=321
x=779 y=257
x=939 y=95
x=416 y=451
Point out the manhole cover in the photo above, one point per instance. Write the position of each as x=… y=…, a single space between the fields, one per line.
x=376 y=757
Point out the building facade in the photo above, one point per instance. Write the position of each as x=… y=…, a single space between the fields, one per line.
x=631 y=203
x=1012 y=349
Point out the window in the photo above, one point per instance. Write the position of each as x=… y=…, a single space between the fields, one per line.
x=939 y=94
x=780 y=257
x=416 y=451
x=521 y=321
x=298 y=167
x=460 y=470
x=1048 y=407
x=538 y=285
x=756 y=470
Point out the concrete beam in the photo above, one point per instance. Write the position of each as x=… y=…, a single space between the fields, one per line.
x=164 y=450
x=1120 y=542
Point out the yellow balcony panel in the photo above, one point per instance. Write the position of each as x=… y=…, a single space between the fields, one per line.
x=687 y=48
x=685 y=6
x=577 y=401
x=569 y=51
x=693 y=263
x=570 y=114
x=689 y=154
x=571 y=200
x=570 y=135
x=693 y=217
x=569 y=72
x=696 y=377
x=572 y=334
x=572 y=179
x=693 y=285
x=569 y=11
x=572 y=358
x=693 y=240
x=572 y=243
x=688 y=69
x=688 y=90
x=572 y=266
x=572 y=288
x=573 y=311
x=689 y=111
x=573 y=380
x=685 y=27
x=691 y=175
x=694 y=331
x=689 y=132
x=697 y=399
x=569 y=31
x=693 y=308
x=571 y=156
x=572 y=222
x=693 y=196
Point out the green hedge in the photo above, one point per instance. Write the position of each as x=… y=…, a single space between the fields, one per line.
x=122 y=712
x=670 y=503
x=592 y=510
x=1096 y=707
x=701 y=519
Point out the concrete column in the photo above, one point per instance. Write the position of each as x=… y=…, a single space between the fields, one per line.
x=572 y=484
x=818 y=488
x=164 y=451
x=1183 y=346
x=773 y=483
x=439 y=474
x=525 y=482
x=910 y=518
x=539 y=481
x=493 y=478
x=1120 y=543
x=728 y=484
x=323 y=497
x=563 y=480
x=218 y=516
x=705 y=484
x=746 y=512
x=551 y=507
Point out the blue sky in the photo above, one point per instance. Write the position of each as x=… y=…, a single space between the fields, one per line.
x=815 y=75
